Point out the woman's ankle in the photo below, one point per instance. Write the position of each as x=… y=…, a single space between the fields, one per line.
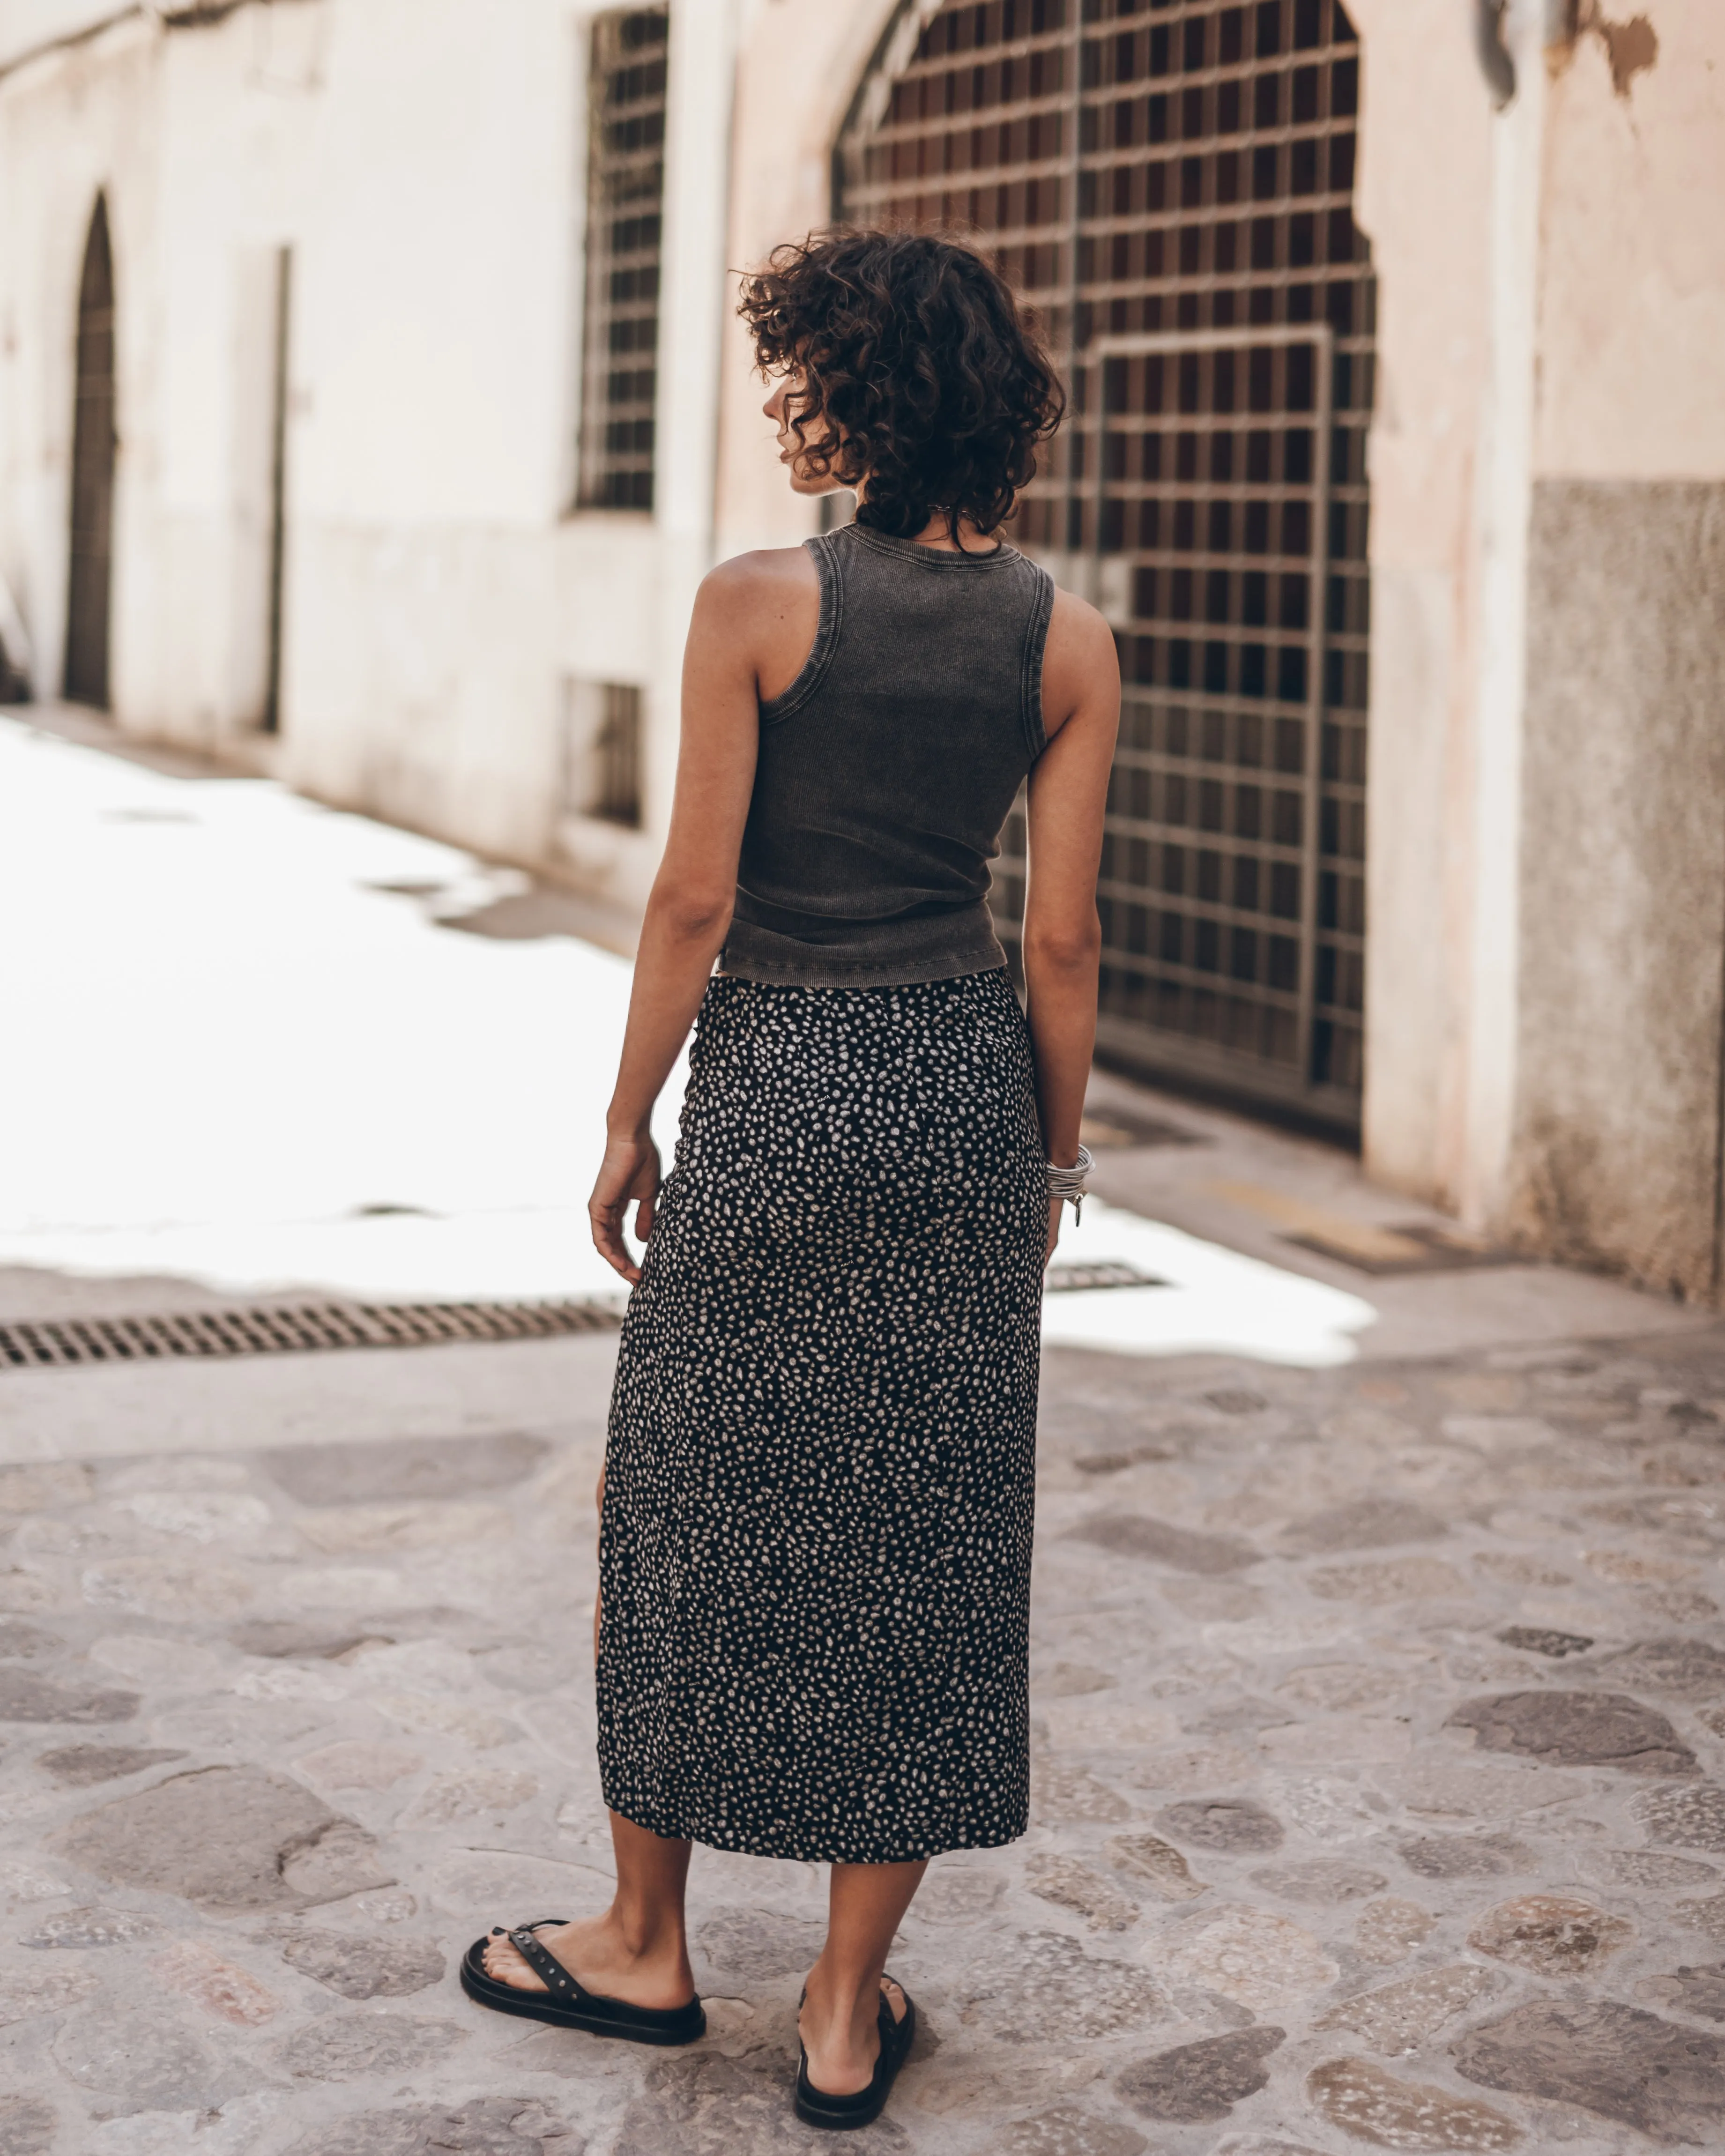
x=652 y=1938
x=841 y=2001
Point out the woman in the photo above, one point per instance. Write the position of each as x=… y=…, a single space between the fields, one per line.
x=817 y=1506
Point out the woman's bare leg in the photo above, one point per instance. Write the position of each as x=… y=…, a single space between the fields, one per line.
x=841 y=2018
x=639 y=1950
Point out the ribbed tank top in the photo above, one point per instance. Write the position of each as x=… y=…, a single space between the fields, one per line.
x=887 y=769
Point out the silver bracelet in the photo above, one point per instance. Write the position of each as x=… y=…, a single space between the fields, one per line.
x=1069 y=1183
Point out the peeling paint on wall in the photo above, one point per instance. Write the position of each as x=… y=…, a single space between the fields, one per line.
x=1631 y=46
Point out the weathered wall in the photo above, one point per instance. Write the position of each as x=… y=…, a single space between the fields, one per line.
x=432 y=406
x=1632 y=268
x=425 y=162
x=798 y=66
x=1546 y=892
x=1622 y=915
x=1623 y=902
x=1424 y=202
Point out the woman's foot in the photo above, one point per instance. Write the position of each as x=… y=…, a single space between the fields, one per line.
x=599 y=1955
x=843 y=2039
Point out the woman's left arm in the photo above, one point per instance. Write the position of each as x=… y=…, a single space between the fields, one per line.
x=689 y=913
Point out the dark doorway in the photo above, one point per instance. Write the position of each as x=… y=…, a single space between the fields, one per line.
x=278 y=488
x=94 y=439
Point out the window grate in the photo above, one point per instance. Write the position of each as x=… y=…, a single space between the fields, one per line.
x=1171 y=185
x=287 y=1328
x=617 y=757
x=625 y=190
x=601 y=751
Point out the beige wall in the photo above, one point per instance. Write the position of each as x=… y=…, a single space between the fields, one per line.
x=1632 y=269
x=1424 y=202
x=798 y=66
x=1617 y=1158
x=1544 y=903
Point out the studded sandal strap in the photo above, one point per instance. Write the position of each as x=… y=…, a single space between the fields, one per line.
x=545 y=1964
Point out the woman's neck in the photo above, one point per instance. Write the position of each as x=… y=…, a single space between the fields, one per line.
x=938 y=533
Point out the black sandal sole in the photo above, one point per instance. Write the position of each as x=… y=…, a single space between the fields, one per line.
x=842 y=2114
x=600 y=2017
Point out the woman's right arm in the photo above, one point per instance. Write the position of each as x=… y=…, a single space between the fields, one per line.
x=689 y=913
x=1062 y=935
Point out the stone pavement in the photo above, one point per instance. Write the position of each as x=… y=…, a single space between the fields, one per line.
x=1379 y=1772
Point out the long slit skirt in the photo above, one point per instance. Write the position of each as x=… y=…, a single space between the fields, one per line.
x=815 y=1548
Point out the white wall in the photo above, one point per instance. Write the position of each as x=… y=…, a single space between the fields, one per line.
x=432 y=400
x=27 y=25
x=425 y=162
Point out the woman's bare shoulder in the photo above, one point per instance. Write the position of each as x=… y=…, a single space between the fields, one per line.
x=761 y=611
x=1076 y=631
x=1080 y=665
x=765 y=575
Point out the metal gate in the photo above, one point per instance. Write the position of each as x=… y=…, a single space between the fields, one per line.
x=89 y=575
x=1170 y=183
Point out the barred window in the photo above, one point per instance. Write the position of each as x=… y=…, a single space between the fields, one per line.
x=625 y=189
x=602 y=751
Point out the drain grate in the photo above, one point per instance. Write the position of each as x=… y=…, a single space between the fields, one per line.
x=294 y=1328
x=1099 y=1273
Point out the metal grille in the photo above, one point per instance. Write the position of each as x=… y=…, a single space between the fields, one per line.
x=1170 y=182
x=625 y=188
x=287 y=1328
x=1105 y=1273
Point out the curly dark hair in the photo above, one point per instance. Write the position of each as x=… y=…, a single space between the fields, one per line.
x=923 y=377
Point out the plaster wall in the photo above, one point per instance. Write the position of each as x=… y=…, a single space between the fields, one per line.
x=27 y=25
x=424 y=160
x=798 y=65
x=1632 y=269
x=1423 y=201
x=1617 y=1139
x=442 y=591
x=1617 y=1144
x=431 y=402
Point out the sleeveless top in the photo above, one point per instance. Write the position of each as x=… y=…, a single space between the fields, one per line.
x=887 y=769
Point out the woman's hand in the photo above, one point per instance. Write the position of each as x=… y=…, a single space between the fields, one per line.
x=1055 y=1206
x=628 y=1175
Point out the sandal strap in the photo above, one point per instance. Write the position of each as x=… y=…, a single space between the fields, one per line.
x=558 y=1981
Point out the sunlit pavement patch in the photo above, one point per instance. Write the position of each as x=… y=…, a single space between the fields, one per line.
x=317 y=1084
x=1214 y=1301
x=247 y=1054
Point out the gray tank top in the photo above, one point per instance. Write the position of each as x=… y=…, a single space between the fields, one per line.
x=886 y=769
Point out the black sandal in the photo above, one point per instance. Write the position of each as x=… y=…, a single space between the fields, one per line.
x=815 y=2107
x=567 y=2003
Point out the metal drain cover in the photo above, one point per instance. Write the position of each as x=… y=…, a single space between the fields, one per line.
x=1103 y=1272
x=287 y=1329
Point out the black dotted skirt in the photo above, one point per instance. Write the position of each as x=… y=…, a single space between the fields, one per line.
x=815 y=1551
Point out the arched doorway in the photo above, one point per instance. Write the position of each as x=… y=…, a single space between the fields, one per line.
x=1170 y=181
x=89 y=580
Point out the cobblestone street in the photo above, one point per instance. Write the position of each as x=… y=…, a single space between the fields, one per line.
x=1380 y=1718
